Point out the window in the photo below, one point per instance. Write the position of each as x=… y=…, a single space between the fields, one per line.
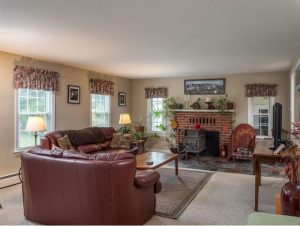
x=155 y=104
x=100 y=110
x=260 y=115
x=31 y=102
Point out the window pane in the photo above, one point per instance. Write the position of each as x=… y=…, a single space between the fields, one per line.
x=32 y=92
x=156 y=105
x=22 y=104
x=32 y=103
x=42 y=104
x=261 y=115
x=22 y=92
x=100 y=110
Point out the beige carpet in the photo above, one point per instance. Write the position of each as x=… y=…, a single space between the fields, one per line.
x=226 y=199
x=178 y=191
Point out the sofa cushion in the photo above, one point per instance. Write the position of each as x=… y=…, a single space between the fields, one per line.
x=40 y=151
x=120 y=140
x=90 y=135
x=75 y=155
x=89 y=148
x=111 y=156
x=108 y=156
x=65 y=143
x=105 y=144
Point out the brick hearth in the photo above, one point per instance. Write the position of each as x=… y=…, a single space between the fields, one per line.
x=210 y=120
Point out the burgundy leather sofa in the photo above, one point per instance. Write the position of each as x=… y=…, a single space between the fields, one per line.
x=67 y=187
x=87 y=140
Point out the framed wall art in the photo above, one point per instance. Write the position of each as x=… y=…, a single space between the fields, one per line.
x=122 y=99
x=73 y=94
x=204 y=86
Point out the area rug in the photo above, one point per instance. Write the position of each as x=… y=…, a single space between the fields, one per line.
x=178 y=191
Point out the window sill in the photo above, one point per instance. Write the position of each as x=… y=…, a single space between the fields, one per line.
x=149 y=134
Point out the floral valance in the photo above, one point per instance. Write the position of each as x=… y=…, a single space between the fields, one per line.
x=159 y=92
x=260 y=90
x=103 y=87
x=26 y=77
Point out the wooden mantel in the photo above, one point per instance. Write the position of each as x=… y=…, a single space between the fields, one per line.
x=203 y=110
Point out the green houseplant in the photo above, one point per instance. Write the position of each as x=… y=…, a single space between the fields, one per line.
x=168 y=114
x=140 y=125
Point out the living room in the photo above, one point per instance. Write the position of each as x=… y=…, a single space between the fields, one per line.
x=212 y=63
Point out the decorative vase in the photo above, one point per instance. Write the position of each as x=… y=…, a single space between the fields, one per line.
x=139 y=129
x=290 y=199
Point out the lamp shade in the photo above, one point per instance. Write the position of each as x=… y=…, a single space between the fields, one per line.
x=124 y=119
x=35 y=124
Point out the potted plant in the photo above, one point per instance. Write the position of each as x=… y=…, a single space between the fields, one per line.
x=222 y=103
x=169 y=115
x=290 y=192
x=139 y=126
x=136 y=136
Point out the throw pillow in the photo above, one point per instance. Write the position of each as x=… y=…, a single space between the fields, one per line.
x=89 y=148
x=120 y=140
x=105 y=145
x=65 y=143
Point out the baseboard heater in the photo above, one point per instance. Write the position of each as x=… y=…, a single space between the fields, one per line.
x=9 y=180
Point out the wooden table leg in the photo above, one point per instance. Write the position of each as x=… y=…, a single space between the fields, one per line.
x=257 y=175
x=176 y=165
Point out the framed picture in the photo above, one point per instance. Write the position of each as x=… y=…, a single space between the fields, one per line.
x=73 y=94
x=204 y=86
x=122 y=99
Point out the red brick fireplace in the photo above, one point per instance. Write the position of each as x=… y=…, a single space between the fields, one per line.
x=212 y=120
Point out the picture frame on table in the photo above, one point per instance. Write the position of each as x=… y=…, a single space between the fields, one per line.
x=73 y=94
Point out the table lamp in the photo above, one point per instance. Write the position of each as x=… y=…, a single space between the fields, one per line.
x=124 y=120
x=35 y=124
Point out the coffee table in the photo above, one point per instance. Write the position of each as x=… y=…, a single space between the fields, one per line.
x=158 y=159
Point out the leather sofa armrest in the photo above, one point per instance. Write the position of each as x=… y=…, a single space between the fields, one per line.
x=147 y=178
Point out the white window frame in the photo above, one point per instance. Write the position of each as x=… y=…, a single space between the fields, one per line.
x=51 y=121
x=149 y=122
x=109 y=109
x=250 y=115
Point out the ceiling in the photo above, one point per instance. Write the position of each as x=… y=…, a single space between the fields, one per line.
x=155 y=38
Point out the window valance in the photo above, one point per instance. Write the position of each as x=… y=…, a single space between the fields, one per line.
x=159 y=92
x=103 y=87
x=260 y=90
x=26 y=77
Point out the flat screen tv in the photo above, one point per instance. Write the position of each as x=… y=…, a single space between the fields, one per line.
x=277 y=124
